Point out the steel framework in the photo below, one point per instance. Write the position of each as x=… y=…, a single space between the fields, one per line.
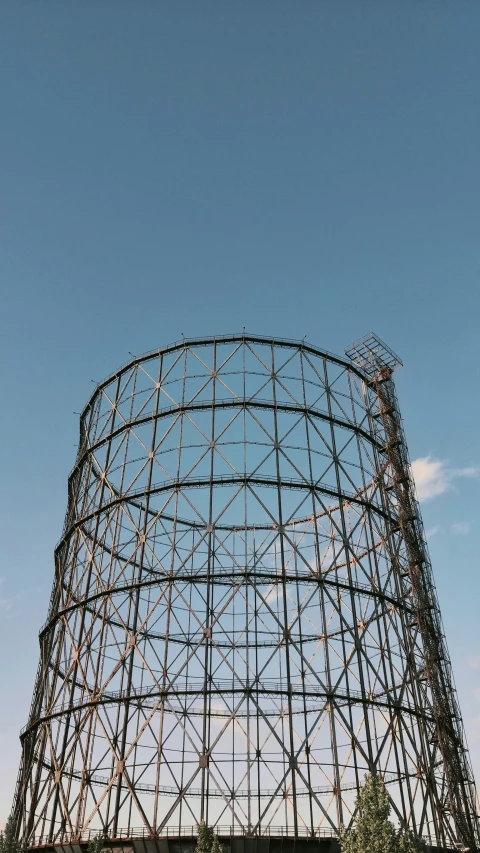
x=243 y=620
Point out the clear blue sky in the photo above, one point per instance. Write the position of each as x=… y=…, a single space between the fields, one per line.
x=298 y=168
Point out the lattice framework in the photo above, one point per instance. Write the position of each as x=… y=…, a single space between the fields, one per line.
x=234 y=629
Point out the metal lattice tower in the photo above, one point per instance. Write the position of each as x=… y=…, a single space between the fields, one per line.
x=243 y=620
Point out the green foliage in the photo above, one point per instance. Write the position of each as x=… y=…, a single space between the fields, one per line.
x=407 y=843
x=217 y=847
x=207 y=842
x=204 y=838
x=373 y=831
x=95 y=845
x=8 y=841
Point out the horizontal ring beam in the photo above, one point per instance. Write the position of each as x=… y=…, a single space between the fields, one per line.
x=229 y=689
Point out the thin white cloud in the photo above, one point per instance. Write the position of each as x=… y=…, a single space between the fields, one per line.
x=433 y=476
x=431 y=532
x=461 y=528
x=8 y=604
x=7 y=610
x=473 y=663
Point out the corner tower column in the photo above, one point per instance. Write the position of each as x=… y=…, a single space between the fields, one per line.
x=456 y=798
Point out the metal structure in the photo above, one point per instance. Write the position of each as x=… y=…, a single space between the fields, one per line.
x=243 y=620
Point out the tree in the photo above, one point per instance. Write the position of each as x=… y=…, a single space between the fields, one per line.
x=95 y=845
x=204 y=838
x=408 y=843
x=207 y=842
x=373 y=831
x=217 y=847
x=8 y=840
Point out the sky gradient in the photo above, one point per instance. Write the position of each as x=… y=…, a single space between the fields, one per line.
x=292 y=168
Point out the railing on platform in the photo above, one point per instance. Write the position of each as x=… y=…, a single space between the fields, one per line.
x=137 y=833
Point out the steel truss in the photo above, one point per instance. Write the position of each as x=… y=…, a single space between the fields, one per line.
x=243 y=620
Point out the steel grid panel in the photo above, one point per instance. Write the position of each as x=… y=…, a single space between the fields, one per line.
x=233 y=631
